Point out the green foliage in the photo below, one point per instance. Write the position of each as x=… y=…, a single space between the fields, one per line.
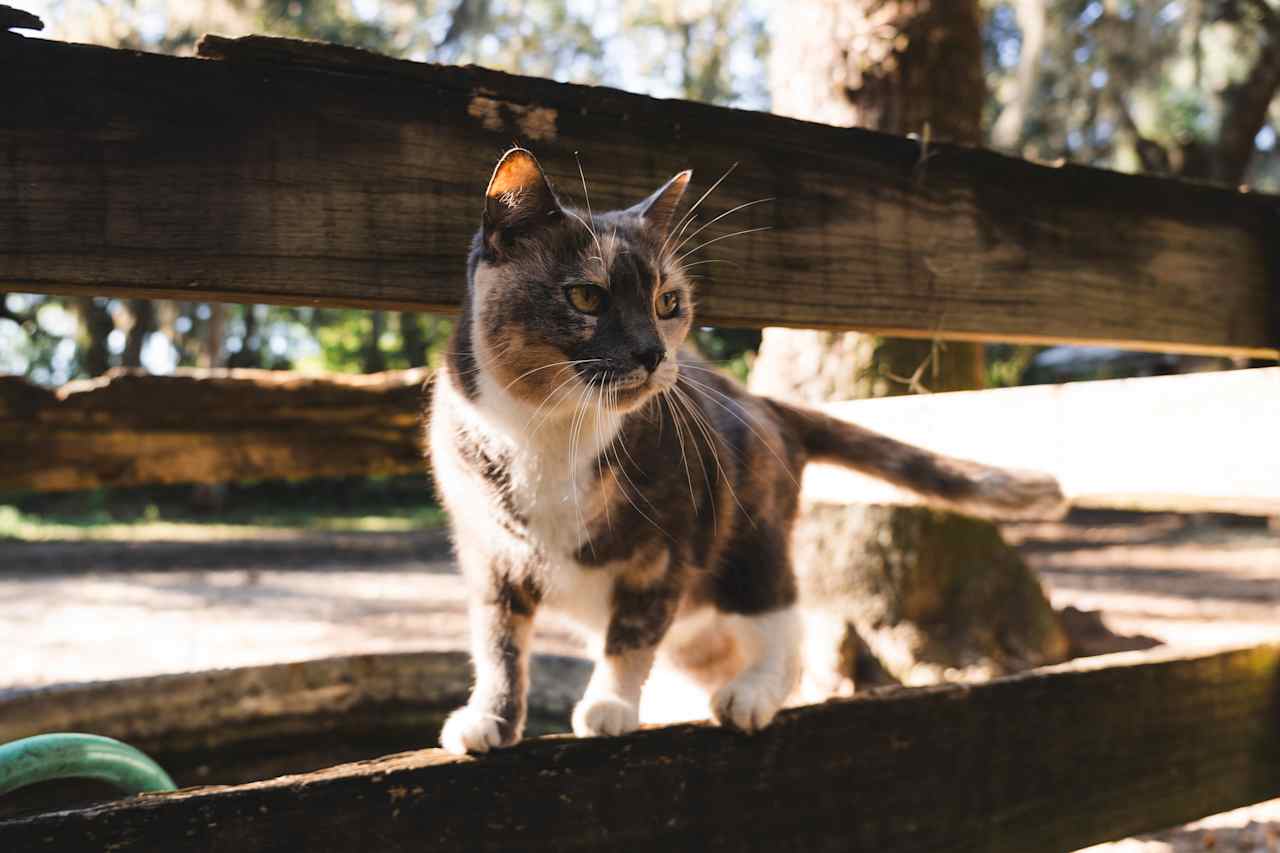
x=368 y=504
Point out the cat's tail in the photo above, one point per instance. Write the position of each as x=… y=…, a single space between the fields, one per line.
x=959 y=484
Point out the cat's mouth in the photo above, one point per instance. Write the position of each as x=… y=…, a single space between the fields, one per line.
x=627 y=391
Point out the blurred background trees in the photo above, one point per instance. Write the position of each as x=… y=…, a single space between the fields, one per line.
x=1183 y=87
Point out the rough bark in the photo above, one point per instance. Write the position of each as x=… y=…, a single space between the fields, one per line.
x=903 y=67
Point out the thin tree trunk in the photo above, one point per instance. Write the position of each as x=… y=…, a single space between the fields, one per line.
x=1009 y=129
x=96 y=326
x=413 y=344
x=214 y=337
x=905 y=581
x=144 y=323
x=372 y=360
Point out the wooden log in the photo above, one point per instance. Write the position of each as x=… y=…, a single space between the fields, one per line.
x=310 y=174
x=1048 y=761
x=131 y=428
x=1199 y=442
x=1195 y=442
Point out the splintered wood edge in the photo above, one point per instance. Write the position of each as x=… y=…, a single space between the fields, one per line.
x=18 y=19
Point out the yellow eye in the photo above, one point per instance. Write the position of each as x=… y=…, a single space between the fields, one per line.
x=587 y=298
x=668 y=304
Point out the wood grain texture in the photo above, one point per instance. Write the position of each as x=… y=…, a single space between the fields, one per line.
x=131 y=428
x=1048 y=761
x=310 y=174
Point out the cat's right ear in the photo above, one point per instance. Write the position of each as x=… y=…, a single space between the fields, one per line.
x=519 y=199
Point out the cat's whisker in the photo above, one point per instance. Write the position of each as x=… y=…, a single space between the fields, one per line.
x=622 y=488
x=591 y=216
x=725 y=237
x=579 y=410
x=711 y=222
x=546 y=400
x=692 y=264
x=675 y=423
x=707 y=388
x=679 y=228
x=527 y=373
x=604 y=380
x=709 y=438
x=711 y=444
x=702 y=465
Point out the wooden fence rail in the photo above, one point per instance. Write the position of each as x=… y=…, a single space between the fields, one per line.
x=1043 y=762
x=1120 y=443
x=297 y=173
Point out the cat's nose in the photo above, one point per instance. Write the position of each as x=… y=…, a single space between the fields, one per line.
x=650 y=357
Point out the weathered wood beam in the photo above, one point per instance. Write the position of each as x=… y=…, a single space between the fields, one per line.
x=130 y=428
x=1047 y=761
x=1195 y=442
x=307 y=174
x=1199 y=442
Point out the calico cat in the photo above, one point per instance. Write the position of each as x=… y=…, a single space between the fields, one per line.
x=592 y=468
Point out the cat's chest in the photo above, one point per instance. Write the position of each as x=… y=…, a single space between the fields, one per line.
x=540 y=488
x=556 y=494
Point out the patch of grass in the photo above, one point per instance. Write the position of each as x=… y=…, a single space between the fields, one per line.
x=28 y=527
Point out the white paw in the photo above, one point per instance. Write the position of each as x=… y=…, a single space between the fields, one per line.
x=604 y=714
x=472 y=730
x=748 y=704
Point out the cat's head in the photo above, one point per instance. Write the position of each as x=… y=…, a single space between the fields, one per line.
x=567 y=307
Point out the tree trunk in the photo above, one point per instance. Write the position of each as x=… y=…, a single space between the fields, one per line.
x=96 y=325
x=903 y=583
x=371 y=359
x=144 y=323
x=214 y=337
x=413 y=345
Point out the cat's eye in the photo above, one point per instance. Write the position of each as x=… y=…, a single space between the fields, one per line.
x=587 y=298
x=669 y=304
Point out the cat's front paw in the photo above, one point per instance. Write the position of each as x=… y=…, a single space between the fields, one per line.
x=747 y=704
x=605 y=714
x=469 y=729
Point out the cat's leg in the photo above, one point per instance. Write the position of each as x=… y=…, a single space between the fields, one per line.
x=501 y=624
x=771 y=643
x=639 y=618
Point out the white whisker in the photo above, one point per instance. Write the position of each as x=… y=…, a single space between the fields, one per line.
x=679 y=228
x=708 y=224
x=724 y=237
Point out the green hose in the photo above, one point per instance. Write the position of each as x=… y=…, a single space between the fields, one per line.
x=67 y=755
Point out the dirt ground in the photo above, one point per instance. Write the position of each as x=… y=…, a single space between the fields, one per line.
x=77 y=611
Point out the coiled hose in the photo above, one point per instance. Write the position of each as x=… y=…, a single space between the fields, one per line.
x=70 y=755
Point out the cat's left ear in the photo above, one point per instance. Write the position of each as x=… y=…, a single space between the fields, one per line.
x=519 y=199
x=659 y=209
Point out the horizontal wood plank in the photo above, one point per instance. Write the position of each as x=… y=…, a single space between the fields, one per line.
x=1195 y=442
x=1199 y=442
x=1048 y=761
x=300 y=174
x=131 y=428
